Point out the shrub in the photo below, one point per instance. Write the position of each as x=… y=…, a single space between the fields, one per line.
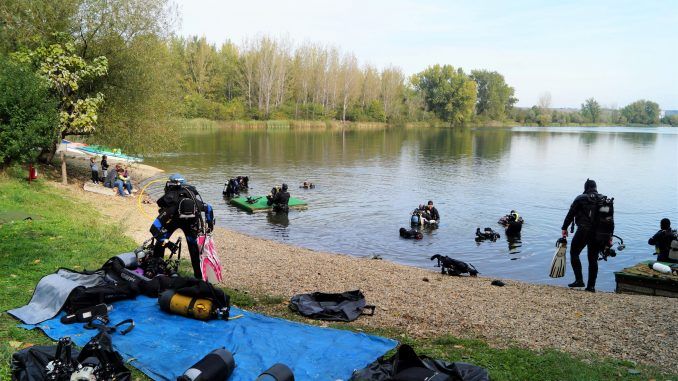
x=28 y=113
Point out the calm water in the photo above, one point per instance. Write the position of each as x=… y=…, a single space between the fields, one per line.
x=369 y=181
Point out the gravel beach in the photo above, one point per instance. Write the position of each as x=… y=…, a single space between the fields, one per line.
x=425 y=303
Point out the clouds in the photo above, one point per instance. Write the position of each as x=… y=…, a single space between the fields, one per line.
x=615 y=51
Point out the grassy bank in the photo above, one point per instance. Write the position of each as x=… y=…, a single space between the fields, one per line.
x=276 y=124
x=64 y=233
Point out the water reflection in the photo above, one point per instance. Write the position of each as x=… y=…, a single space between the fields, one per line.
x=278 y=219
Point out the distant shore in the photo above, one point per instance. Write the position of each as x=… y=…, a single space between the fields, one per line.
x=425 y=303
x=337 y=124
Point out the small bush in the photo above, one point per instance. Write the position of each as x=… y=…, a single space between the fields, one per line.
x=28 y=114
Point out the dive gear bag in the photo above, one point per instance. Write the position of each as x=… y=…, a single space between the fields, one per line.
x=406 y=365
x=346 y=306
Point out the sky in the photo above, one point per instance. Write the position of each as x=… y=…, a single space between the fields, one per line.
x=614 y=51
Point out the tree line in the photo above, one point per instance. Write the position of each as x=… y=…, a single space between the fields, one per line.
x=113 y=70
x=268 y=78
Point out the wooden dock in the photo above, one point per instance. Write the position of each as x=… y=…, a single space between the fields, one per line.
x=641 y=279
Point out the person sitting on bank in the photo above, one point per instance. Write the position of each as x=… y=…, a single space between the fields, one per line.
x=432 y=212
x=279 y=198
x=662 y=241
x=122 y=182
x=109 y=180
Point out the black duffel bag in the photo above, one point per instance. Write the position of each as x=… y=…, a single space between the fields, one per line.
x=346 y=306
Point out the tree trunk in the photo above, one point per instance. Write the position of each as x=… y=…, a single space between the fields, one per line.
x=64 y=176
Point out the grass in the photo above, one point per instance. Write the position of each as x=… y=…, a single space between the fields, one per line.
x=67 y=234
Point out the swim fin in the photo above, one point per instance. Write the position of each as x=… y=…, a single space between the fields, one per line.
x=559 y=260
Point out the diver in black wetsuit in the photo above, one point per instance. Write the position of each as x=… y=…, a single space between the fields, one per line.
x=662 y=240
x=279 y=198
x=582 y=211
x=432 y=212
x=180 y=208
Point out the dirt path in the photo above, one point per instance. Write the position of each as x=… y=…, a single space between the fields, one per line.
x=425 y=303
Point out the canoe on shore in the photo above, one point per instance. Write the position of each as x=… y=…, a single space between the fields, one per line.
x=641 y=279
x=260 y=203
x=98 y=151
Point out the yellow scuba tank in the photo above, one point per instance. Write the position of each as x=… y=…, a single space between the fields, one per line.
x=189 y=306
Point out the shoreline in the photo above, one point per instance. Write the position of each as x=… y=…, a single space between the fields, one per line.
x=426 y=304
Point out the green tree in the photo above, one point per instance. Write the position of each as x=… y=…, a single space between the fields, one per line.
x=590 y=110
x=495 y=97
x=28 y=113
x=66 y=72
x=449 y=94
x=641 y=112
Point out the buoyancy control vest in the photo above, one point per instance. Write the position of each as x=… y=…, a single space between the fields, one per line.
x=181 y=201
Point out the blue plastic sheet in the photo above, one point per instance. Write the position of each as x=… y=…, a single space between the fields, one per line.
x=163 y=346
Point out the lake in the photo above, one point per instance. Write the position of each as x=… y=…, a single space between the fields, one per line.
x=369 y=181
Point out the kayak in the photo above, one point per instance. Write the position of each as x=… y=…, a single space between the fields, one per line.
x=261 y=203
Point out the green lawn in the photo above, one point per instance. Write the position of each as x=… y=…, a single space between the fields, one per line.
x=64 y=233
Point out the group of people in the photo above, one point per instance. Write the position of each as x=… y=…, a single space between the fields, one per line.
x=235 y=185
x=118 y=179
x=426 y=215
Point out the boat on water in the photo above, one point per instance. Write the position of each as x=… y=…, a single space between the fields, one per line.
x=97 y=150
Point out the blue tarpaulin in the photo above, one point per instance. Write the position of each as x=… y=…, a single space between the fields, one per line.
x=163 y=346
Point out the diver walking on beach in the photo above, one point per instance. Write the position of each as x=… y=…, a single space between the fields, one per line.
x=181 y=207
x=583 y=212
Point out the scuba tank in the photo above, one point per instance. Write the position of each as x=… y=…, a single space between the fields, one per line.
x=415 y=220
x=278 y=372
x=217 y=365
x=191 y=306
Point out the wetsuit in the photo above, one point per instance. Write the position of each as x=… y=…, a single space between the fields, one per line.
x=662 y=239
x=280 y=201
x=180 y=208
x=433 y=213
x=582 y=212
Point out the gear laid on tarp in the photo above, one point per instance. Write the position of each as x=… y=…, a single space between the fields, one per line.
x=52 y=292
x=346 y=306
x=406 y=365
x=164 y=345
x=116 y=280
x=96 y=361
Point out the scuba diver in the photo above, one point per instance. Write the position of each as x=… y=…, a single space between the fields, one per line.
x=425 y=215
x=279 y=198
x=231 y=188
x=181 y=207
x=582 y=212
x=512 y=223
x=432 y=212
x=235 y=185
x=662 y=241
x=307 y=185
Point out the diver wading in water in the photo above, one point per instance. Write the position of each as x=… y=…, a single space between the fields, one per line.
x=181 y=207
x=279 y=199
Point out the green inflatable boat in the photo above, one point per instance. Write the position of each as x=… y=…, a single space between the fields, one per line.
x=260 y=203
